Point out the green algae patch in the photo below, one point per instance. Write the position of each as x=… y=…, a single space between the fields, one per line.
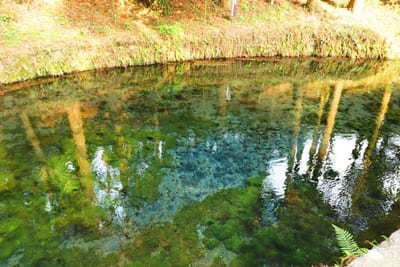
x=228 y=217
x=232 y=218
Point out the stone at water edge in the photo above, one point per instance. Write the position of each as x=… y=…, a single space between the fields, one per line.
x=386 y=254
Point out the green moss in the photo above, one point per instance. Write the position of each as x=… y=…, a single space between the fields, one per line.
x=233 y=219
x=78 y=257
x=211 y=243
x=146 y=188
x=9 y=226
x=235 y=243
x=218 y=262
x=157 y=260
x=7 y=181
x=225 y=214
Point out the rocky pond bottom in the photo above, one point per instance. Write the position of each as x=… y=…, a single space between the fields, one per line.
x=245 y=163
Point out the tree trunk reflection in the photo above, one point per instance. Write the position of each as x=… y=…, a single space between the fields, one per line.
x=330 y=121
x=76 y=125
x=297 y=122
x=374 y=138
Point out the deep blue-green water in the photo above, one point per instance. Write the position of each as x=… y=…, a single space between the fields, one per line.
x=244 y=163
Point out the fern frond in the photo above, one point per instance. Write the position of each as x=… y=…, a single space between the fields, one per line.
x=346 y=242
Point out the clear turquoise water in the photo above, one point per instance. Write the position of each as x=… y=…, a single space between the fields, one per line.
x=200 y=164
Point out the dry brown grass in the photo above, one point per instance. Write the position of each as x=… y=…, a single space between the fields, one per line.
x=49 y=23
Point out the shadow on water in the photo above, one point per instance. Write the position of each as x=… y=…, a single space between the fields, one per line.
x=205 y=164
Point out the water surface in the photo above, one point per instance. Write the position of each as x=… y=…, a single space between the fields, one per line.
x=203 y=164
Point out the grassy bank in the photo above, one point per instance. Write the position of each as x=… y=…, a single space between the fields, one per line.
x=63 y=44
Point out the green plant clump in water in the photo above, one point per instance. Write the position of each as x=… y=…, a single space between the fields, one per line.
x=233 y=211
x=232 y=218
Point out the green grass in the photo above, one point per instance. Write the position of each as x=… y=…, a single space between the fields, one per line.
x=128 y=26
x=64 y=20
x=8 y=32
x=5 y=19
x=174 y=30
x=245 y=6
x=10 y=36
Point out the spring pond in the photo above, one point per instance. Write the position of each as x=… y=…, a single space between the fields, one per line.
x=244 y=163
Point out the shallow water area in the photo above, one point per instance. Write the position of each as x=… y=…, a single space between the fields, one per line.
x=243 y=163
